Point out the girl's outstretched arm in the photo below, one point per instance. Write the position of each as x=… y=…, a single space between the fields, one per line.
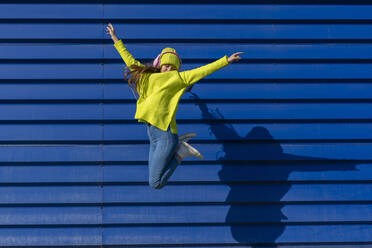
x=192 y=76
x=128 y=58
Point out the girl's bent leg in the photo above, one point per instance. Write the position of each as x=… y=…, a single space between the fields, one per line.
x=162 y=160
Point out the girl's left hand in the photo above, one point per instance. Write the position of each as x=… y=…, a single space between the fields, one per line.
x=234 y=57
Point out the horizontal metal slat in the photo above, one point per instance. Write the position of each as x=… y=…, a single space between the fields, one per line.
x=251 y=91
x=50 y=194
x=62 y=215
x=50 y=132
x=252 y=50
x=228 y=214
x=252 y=111
x=236 y=11
x=185 y=31
x=239 y=193
x=253 y=151
x=272 y=132
x=184 y=11
x=272 y=71
x=190 y=51
x=237 y=234
x=50 y=111
x=51 y=11
x=51 y=236
x=51 y=174
x=50 y=153
x=250 y=172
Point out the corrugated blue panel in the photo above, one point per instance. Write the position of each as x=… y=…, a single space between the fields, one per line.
x=51 y=91
x=252 y=51
x=236 y=234
x=50 y=132
x=50 y=153
x=285 y=133
x=279 y=111
x=62 y=215
x=187 y=51
x=240 y=71
x=51 y=11
x=51 y=174
x=233 y=31
x=254 y=151
x=63 y=31
x=248 y=172
x=48 y=51
x=183 y=11
x=272 y=71
x=234 y=111
x=352 y=90
x=236 y=12
x=250 y=131
x=318 y=245
x=260 y=213
x=261 y=91
x=50 y=194
x=51 y=71
x=239 y=193
x=50 y=111
x=51 y=236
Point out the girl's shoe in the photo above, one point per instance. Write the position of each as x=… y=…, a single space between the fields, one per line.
x=186 y=137
x=186 y=150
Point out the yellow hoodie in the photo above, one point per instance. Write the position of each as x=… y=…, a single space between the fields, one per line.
x=161 y=92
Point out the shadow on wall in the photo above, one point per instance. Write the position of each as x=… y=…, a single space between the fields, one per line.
x=268 y=221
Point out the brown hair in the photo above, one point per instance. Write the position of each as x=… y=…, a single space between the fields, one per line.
x=134 y=72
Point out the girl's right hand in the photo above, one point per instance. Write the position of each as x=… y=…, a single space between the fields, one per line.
x=111 y=31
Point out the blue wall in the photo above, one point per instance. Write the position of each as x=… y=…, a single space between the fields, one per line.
x=286 y=132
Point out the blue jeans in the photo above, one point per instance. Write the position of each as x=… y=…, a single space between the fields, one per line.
x=162 y=159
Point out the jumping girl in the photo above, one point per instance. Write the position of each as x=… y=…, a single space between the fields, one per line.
x=160 y=87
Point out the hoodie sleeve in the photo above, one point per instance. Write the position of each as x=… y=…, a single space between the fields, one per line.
x=192 y=76
x=126 y=55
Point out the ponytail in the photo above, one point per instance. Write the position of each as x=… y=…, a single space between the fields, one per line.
x=133 y=75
